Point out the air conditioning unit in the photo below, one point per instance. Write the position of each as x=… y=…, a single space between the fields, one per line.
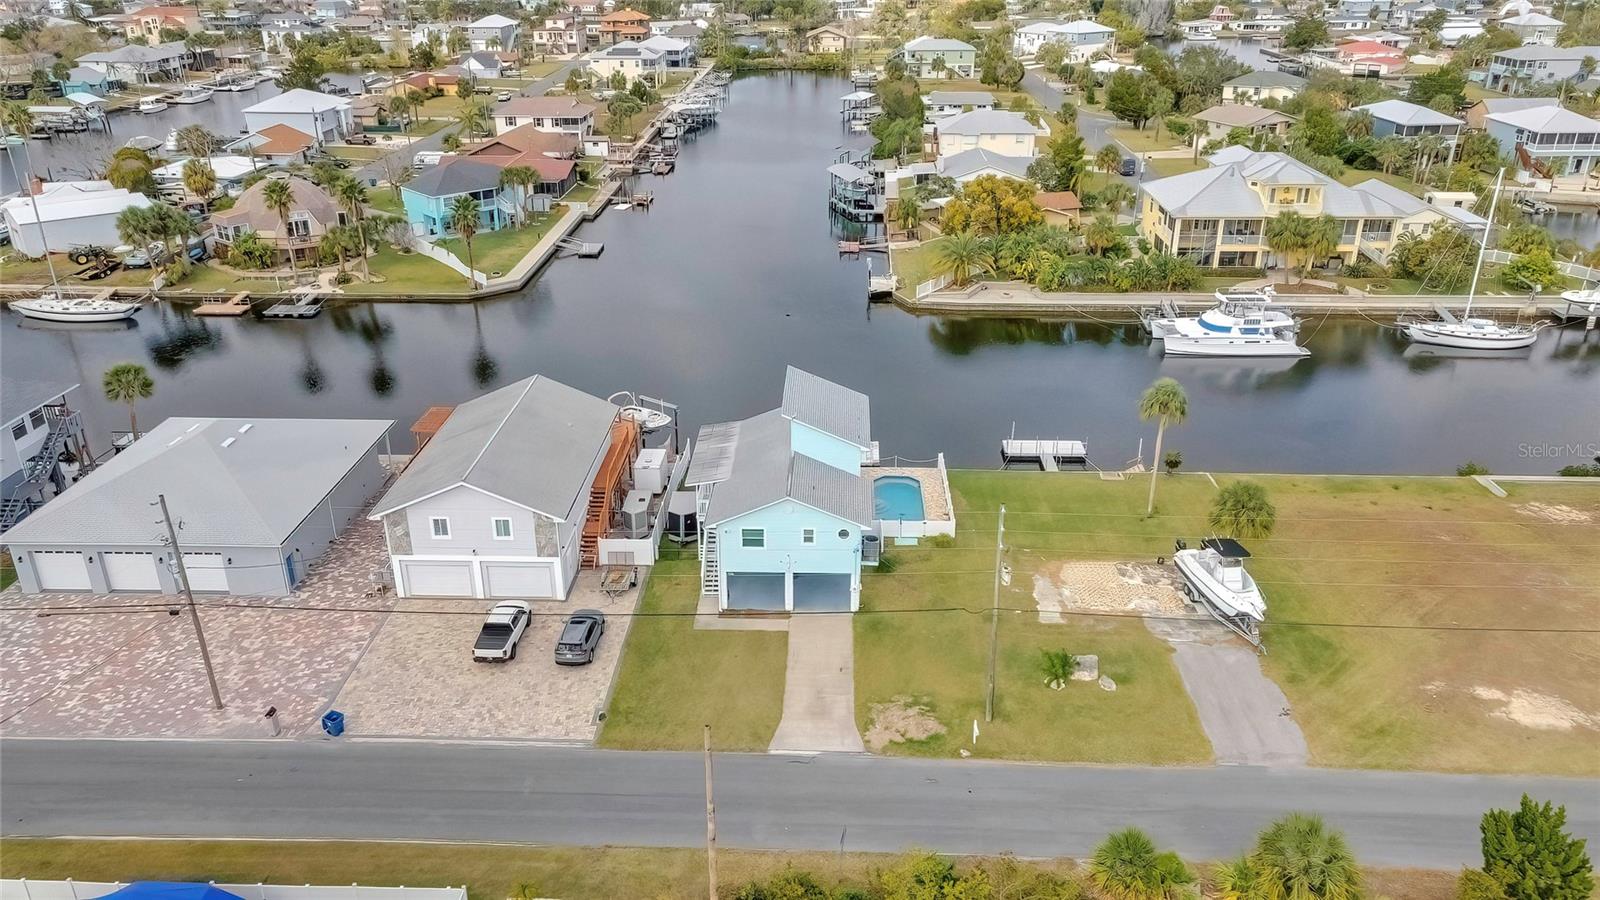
x=635 y=513
x=650 y=471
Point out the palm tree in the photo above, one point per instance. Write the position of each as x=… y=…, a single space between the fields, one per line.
x=1320 y=238
x=16 y=118
x=1298 y=857
x=136 y=226
x=128 y=383
x=400 y=108
x=278 y=194
x=451 y=142
x=1127 y=866
x=1165 y=401
x=1108 y=159
x=1234 y=880
x=1101 y=236
x=957 y=256
x=200 y=179
x=1242 y=510
x=473 y=118
x=464 y=212
x=524 y=179
x=1429 y=146
x=908 y=210
x=351 y=195
x=1285 y=235
x=1360 y=123
x=1391 y=152
x=1115 y=196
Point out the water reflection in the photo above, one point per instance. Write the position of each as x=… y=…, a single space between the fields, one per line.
x=183 y=337
x=484 y=366
x=960 y=337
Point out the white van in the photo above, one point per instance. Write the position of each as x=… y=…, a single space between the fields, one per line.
x=426 y=158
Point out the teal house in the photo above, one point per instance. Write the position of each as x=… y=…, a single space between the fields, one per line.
x=428 y=198
x=785 y=514
x=931 y=57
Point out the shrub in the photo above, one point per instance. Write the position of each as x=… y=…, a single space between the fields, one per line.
x=1470 y=468
x=1173 y=461
x=250 y=252
x=1582 y=471
x=1476 y=884
x=1531 y=855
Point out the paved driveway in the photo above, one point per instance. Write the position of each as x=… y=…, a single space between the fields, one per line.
x=419 y=680
x=819 y=689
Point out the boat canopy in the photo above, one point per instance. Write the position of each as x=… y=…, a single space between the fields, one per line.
x=1226 y=547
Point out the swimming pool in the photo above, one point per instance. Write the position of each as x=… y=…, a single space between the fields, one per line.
x=897 y=497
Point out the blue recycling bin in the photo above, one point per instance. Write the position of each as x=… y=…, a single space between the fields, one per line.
x=333 y=722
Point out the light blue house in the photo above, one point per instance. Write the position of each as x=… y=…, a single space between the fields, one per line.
x=782 y=502
x=429 y=196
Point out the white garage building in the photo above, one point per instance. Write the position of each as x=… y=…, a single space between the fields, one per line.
x=255 y=501
x=495 y=503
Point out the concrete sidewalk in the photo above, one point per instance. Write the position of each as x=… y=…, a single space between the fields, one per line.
x=819 y=688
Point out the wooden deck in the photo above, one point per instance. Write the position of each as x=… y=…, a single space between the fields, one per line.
x=237 y=305
x=607 y=489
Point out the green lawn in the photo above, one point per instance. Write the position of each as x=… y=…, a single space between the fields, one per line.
x=383 y=199
x=940 y=658
x=1476 y=92
x=581 y=193
x=14 y=269
x=8 y=572
x=1161 y=167
x=1136 y=141
x=914 y=265
x=500 y=250
x=676 y=679
x=408 y=273
x=1354 y=177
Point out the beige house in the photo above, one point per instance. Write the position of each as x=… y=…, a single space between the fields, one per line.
x=1223 y=118
x=994 y=130
x=311 y=214
x=1059 y=207
x=1217 y=216
x=828 y=39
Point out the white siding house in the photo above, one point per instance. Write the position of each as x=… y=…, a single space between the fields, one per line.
x=323 y=116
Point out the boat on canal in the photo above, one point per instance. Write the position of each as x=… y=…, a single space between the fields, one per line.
x=1245 y=324
x=149 y=105
x=53 y=307
x=192 y=94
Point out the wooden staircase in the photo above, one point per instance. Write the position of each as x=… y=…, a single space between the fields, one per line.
x=609 y=484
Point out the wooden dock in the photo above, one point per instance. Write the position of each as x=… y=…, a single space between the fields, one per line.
x=1048 y=455
x=237 y=305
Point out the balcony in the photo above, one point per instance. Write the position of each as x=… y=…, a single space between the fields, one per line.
x=1241 y=240
x=1550 y=145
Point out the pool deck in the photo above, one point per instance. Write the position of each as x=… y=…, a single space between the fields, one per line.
x=935 y=502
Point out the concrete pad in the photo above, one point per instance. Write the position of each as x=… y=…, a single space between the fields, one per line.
x=819 y=689
x=706 y=618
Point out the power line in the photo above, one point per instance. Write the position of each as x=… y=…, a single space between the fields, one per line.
x=1364 y=520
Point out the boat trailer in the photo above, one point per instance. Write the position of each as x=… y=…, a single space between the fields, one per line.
x=1243 y=626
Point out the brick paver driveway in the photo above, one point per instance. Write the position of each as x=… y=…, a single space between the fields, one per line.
x=419 y=680
x=123 y=665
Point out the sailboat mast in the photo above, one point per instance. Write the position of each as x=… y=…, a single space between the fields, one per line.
x=1483 y=248
x=33 y=200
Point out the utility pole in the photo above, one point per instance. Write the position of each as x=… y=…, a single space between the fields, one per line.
x=711 y=826
x=994 y=613
x=194 y=613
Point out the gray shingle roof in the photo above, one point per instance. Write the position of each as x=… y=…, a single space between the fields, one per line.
x=532 y=442
x=960 y=165
x=815 y=401
x=987 y=121
x=253 y=492
x=455 y=177
x=20 y=395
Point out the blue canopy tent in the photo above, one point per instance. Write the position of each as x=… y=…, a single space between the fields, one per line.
x=170 y=890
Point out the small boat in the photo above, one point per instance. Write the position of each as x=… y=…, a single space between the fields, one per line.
x=192 y=94
x=1215 y=573
x=1247 y=324
x=649 y=418
x=171 y=143
x=55 y=308
x=149 y=105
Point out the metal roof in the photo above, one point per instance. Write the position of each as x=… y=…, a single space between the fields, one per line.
x=1547 y=119
x=1402 y=113
x=228 y=482
x=22 y=395
x=763 y=469
x=532 y=443
x=938 y=45
x=831 y=408
x=714 y=446
x=987 y=121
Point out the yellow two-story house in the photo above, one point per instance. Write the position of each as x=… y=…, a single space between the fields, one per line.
x=1217 y=216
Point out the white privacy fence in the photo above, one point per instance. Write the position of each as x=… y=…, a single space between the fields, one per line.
x=933 y=286
x=450 y=259
x=26 y=889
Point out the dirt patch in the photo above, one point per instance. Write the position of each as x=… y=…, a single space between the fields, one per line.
x=1532 y=709
x=1555 y=513
x=898 y=721
x=1106 y=587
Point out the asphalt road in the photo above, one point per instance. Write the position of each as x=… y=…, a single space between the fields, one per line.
x=498 y=792
x=1093 y=127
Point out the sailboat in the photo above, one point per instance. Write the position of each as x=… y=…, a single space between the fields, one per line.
x=1467 y=333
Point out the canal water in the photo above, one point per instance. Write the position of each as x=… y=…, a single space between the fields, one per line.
x=734 y=273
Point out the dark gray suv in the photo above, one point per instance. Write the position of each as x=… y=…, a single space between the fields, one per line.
x=580 y=636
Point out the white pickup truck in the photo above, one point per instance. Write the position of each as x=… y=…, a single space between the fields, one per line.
x=497 y=641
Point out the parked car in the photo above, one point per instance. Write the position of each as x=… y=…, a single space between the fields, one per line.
x=503 y=96
x=144 y=257
x=365 y=140
x=1130 y=166
x=580 y=637
x=497 y=640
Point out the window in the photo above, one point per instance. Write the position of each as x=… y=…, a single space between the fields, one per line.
x=19 y=431
x=808 y=535
x=502 y=528
x=511 y=121
x=752 y=537
x=844 y=534
x=299 y=225
x=36 y=418
x=440 y=526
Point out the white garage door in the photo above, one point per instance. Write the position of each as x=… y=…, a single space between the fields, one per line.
x=206 y=572
x=536 y=580
x=131 y=571
x=60 y=570
x=437 y=579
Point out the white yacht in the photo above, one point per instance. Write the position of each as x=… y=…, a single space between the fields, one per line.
x=52 y=307
x=1241 y=324
x=192 y=94
x=1468 y=333
x=1220 y=579
x=152 y=105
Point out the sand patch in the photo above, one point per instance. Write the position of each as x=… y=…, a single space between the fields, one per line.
x=1532 y=709
x=1555 y=513
x=901 y=719
x=1106 y=587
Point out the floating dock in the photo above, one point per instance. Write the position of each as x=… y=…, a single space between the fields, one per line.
x=1048 y=455
x=584 y=249
x=306 y=306
x=237 y=305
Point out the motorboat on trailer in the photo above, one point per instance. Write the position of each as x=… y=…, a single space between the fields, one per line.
x=1215 y=575
x=56 y=308
x=1242 y=324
